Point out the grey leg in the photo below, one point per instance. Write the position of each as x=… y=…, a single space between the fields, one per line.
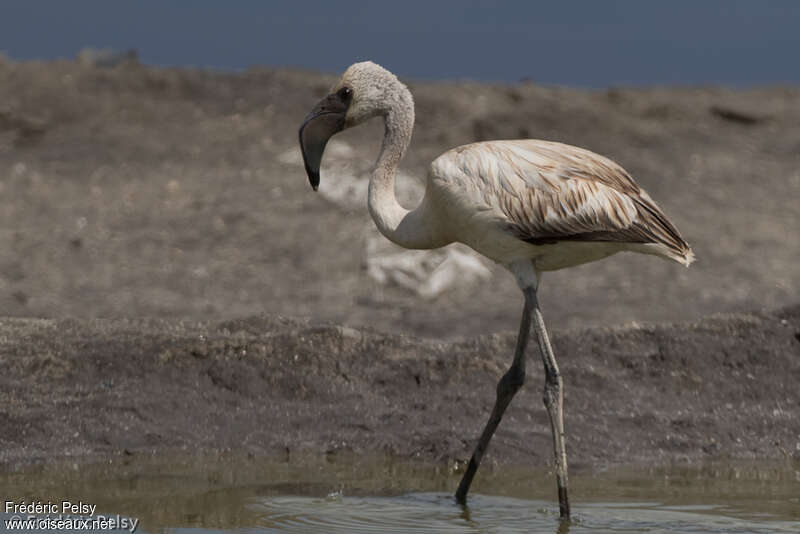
x=506 y=389
x=553 y=401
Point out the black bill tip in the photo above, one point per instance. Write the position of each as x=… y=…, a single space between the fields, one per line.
x=314 y=135
x=326 y=119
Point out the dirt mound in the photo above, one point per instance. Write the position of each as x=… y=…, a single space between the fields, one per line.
x=723 y=386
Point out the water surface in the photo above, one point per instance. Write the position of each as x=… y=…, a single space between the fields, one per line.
x=355 y=494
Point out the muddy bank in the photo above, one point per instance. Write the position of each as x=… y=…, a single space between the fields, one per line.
x=725 y=386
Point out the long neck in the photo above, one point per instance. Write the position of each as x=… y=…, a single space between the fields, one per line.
x=410 y=229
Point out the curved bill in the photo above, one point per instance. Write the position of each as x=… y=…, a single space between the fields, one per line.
x=326 y=119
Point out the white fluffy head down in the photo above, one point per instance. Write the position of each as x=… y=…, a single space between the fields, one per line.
x=376 y=92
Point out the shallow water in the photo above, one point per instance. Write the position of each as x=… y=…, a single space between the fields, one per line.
x=349 y=494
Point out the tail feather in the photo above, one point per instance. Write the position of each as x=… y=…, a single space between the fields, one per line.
x=661 y=231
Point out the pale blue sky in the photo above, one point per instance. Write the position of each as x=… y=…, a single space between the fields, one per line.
x=581 y=43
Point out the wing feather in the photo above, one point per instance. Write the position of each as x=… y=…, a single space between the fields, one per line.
x=546 y=192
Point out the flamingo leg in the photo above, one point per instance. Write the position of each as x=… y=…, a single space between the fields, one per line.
x=553 y=401
x=507 y=387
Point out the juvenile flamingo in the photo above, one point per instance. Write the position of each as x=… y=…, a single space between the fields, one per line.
x=529 y=205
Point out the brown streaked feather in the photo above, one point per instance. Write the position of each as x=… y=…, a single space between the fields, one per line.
x=549 y=192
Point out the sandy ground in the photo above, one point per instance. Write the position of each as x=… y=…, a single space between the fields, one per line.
x=139 y=192
x=171 y=203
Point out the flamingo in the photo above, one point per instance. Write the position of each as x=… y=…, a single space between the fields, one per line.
x=529 y=205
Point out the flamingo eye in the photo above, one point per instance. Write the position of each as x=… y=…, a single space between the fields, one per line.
x=345 y=94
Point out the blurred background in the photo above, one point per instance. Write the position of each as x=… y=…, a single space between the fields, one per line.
x=149 y=167
x=576 y=43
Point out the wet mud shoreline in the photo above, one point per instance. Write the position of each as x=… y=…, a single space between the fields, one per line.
x=722 y=387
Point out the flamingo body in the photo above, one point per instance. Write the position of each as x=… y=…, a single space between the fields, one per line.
x=555 y=204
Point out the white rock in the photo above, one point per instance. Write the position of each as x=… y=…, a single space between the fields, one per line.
x=428 y=273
